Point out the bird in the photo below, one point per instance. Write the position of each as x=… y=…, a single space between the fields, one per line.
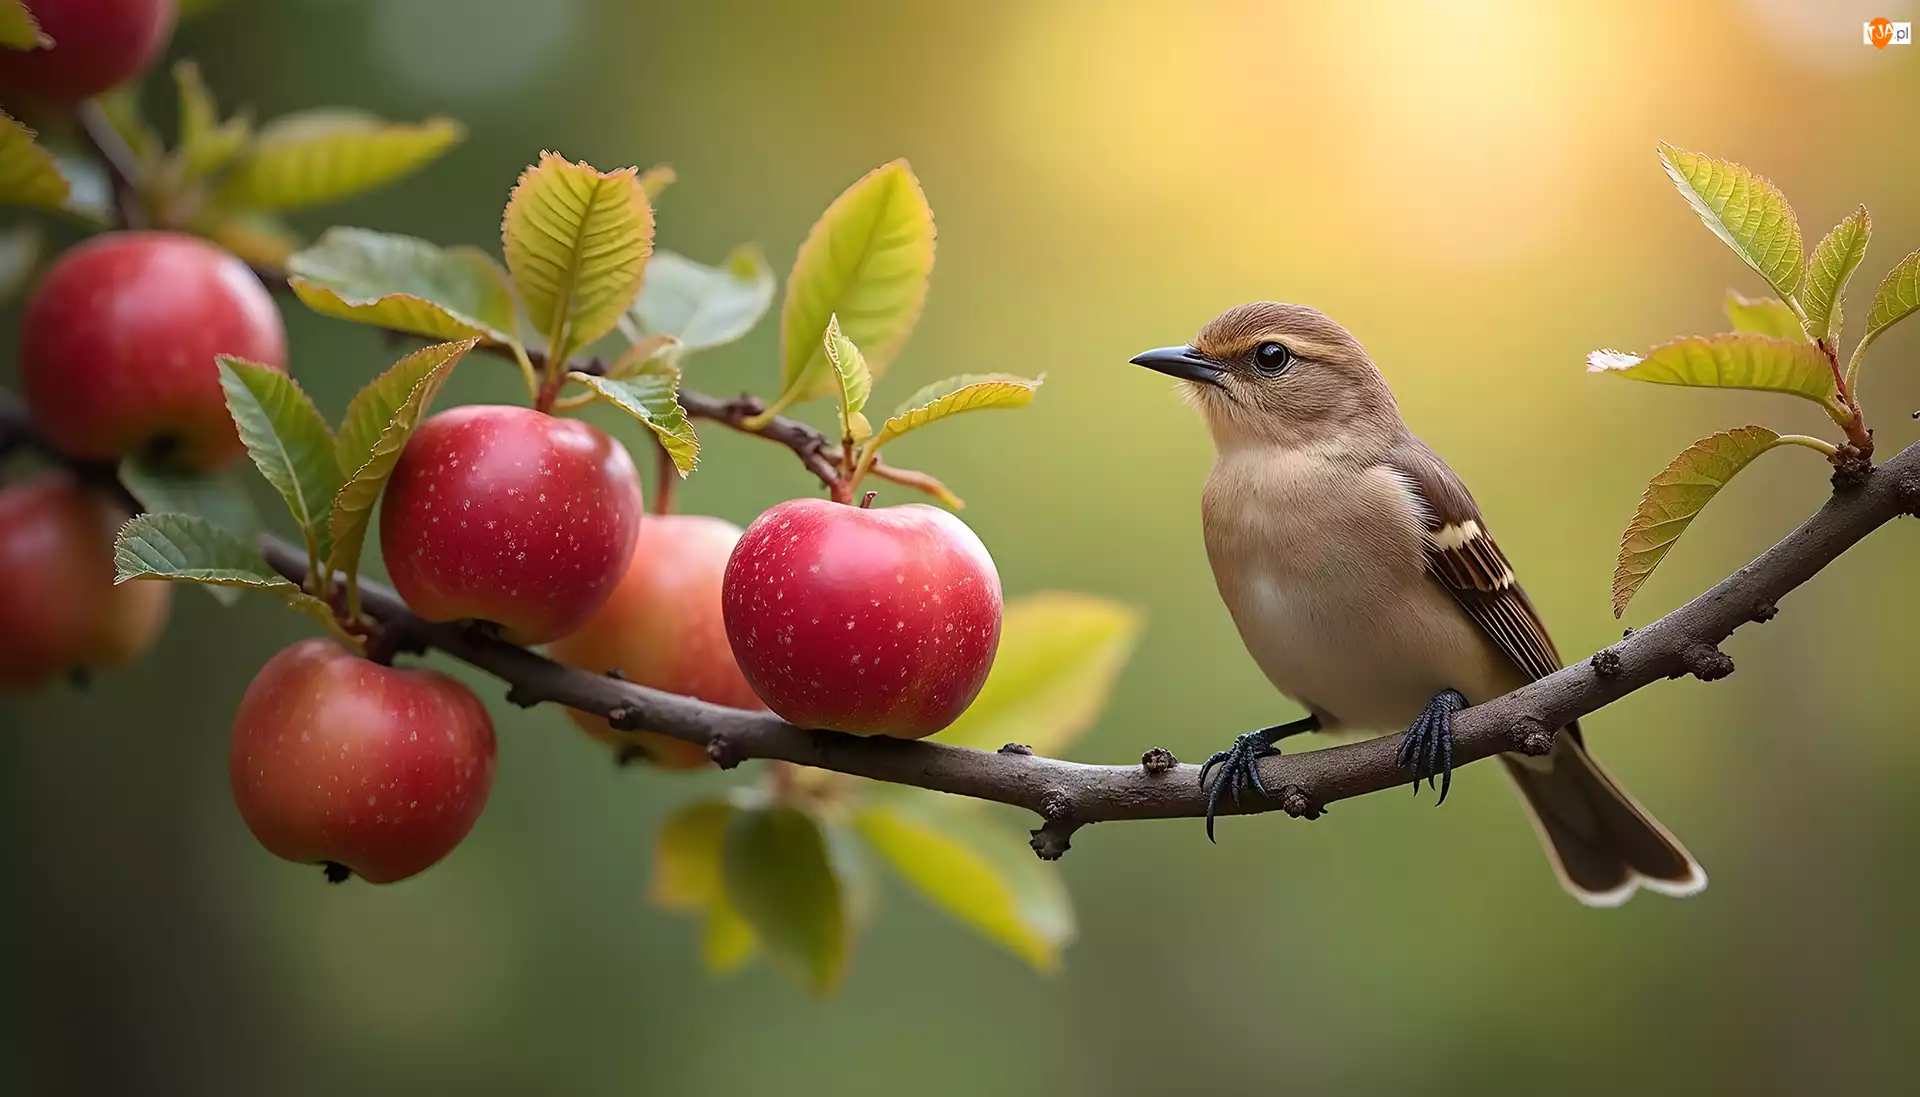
x=1365 y=583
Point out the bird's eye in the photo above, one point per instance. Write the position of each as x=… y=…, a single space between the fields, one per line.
x=1271 y=359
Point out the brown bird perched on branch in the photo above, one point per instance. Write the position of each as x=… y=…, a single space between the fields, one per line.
x=1365 y=584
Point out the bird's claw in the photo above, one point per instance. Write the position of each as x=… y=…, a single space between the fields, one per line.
x=1239 y=765
x=1427 y=747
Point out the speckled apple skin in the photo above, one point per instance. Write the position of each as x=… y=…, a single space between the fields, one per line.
x=662 y=628
x=338 y=759
x=118 y=342
x=505 y=514
x=874 y=622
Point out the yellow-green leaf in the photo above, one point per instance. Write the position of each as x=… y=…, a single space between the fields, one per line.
x=704 y=306
x=651 y=352
x=577 y=241
x=1828 y=269
x=1897 y=297
x=978 y=872
x=187 y=548
x=405 y=284
x=1746 y=211
x=868 y=259
x=206 y=143
x=379 y=420
x=1675 y=497
x=852 y=379
x=288 y=441
x=1059 y=655
x=967 y=392
x=686 y=855
x=656 y=179
x=726 y=940
x=19 y=30
x=259 y=237
x=28 y=176
x=325 y=155
x=1763 y=316
x=778 y=875
x=1736 y=361
x=652 y=395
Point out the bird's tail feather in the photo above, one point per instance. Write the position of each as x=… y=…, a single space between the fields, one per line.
x=1602 y=844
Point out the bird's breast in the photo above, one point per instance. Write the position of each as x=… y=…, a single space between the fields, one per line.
x=1323 y=569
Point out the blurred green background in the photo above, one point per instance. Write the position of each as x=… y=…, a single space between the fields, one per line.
x=1471 y=187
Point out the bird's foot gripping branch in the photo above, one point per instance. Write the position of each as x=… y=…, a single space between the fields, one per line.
x=643 y=614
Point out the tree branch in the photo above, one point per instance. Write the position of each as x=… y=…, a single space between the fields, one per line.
x=1068 y=795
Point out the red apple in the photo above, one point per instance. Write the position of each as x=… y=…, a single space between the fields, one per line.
x=866 y=621
x=341 y=762
x=117 y=347
x=509 y=515
x=96 y=45
x=662 y=628
x=59 y=609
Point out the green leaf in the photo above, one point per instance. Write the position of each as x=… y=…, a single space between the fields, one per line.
x=261 y=238
x=979 y=873
x=406 y=284
x=1058 y=657
x=1763 y=316
x=206 y=143
x=868 y=260
x=19 y=30
x=1747 y=212
x=577 y=241
x=651 y=395
x=28 y=176
x=216 y=496
x=325 y=155
x=288 y=441
x=1737 y=361
x=1675 y=497
x=379 y=420
x=778 y=875
x=651 y=352
x=852 y=379
x=726 y=940
x=1828 y=269
x=21 y=246
x=656 y=179
x=1897 y=297
x=967 y=392
x=187 y=548
x=686 y=855
x=704 y=306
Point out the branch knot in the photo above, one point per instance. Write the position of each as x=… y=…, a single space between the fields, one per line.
x=1531 y=735
x=1705 y=661
x=1605 y=663
x=1158 y=760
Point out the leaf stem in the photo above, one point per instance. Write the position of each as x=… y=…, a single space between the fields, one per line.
x=527 y=372
x=1808 y=441
x=667 y=485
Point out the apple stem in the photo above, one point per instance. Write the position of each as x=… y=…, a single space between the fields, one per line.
x=668 y=486
x=841 y=490
x=867 y=500
x=337 y=873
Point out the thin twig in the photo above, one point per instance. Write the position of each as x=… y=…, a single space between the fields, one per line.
x=1068 y=795
x=122 y=163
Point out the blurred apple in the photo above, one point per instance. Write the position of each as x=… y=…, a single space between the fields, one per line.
x=97 y=44
x=59 y=609
x=118 y=342
x=662 y=628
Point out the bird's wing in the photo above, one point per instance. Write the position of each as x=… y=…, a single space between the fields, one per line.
x=1462 y=556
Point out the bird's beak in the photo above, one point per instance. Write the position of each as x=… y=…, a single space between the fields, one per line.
x=1182 y=362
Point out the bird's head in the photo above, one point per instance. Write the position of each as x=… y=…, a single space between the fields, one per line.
x=1268 y=373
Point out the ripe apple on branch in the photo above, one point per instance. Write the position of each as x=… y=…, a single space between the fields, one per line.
x=153 y=357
